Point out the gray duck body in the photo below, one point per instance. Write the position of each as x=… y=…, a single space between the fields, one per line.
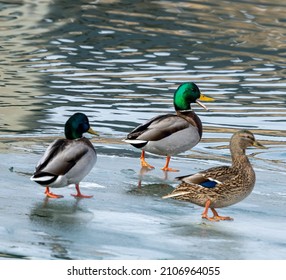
x=169 y=134
x=67 y=160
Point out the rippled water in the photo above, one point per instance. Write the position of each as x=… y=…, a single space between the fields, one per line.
x=120 y=62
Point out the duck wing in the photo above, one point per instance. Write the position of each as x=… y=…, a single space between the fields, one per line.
x=156 y=129
x=58 y=159
x=210 y=178
x=201 y=183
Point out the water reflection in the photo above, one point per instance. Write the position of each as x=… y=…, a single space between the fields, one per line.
x=154 y=189
x=57 y=219
x=121 y=66
x=204 y=239
x=60 y=214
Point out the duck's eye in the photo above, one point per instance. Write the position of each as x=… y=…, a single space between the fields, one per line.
x=249 y=138
x=84 y=126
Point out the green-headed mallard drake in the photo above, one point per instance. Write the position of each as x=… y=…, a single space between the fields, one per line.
x=171 y=134
x=223 y=185
x=67 y=160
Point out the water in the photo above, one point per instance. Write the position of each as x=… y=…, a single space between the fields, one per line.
x=120 y=62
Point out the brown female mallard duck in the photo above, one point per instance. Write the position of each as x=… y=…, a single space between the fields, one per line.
x=67 y=160
x=224 y=185
x=171 y=134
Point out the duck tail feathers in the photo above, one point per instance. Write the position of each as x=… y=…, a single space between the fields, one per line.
x=43 y=178
x=179 y=193
x=181 y=178
x=135 y=141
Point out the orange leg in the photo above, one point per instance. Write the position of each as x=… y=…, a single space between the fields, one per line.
x=216 y=217
x=205 y=213
x=51 y=195
x=166 y=167
x=143 y=161
x=79 y=194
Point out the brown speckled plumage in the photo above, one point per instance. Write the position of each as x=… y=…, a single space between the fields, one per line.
x=224 y=185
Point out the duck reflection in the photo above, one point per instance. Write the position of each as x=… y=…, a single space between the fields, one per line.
x=152 y=189
x=59 y=224
x=204 y=237
x=145 y=170
x=60 y=213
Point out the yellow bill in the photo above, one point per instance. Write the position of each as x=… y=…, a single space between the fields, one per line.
x=91 y=131
x=204 y=98
x=258 y=145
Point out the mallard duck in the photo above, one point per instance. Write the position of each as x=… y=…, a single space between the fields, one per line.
x=224 y=185
x=171 y=134
x=67 y=160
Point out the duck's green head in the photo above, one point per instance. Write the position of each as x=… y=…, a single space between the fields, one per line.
x=186 y=94
x=76 y=125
